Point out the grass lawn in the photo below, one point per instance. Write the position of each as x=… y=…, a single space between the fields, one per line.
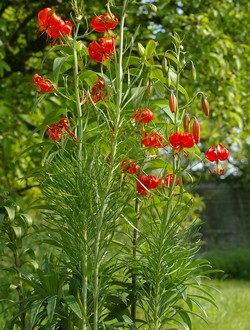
x=233 y=312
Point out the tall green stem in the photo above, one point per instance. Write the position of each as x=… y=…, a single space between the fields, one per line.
x=120 y=70
x=20 y=287
x=77 y=97
x=176 y=160
x=104 y=200
x=177 y=90
x=134 y=244
x=79 y=137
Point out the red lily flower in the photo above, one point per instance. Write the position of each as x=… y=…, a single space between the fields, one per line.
x=180 y=140
x=214 y=154
x=153 y=140
x=99 y=91
x=43 y=17
x=56 y=130
x=145 y=183
x=104 y=22
x=217 y=154
x=143 y=115
x=100 y=52
x=129 y=166
x=53 y=25
x=43 y=84
x=169 y=180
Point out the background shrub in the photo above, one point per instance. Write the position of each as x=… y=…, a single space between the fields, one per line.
x=235 y=263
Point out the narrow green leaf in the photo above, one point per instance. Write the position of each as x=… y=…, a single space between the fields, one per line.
x=60 y=65
x=156 y=73
x=29 y=252
x=38 y=100
x=18 y=231
x=184 y=315
x=150 y=48
x=11 y=212
x=155 y=164
x=137 y=95
x=199 y=305
x=73 y=305
x=2 y=216
x=171 y=57
x=27 y=218
x=131 y=60
x=51 y=307
x=33 y=148
x=34 y=311
x=32 y=263
x=90 y=77
x=184 y=92
x=164 y=105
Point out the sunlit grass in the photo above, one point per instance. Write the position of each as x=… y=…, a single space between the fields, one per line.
x=233 y=300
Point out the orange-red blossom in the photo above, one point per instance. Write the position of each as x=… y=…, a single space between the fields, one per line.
x=53 y=25
x=100 y=52
x=105 y=22
x=56 y=130
x=217 y=154
x=44 y=84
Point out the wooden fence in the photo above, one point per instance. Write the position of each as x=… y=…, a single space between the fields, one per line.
x=226 y=218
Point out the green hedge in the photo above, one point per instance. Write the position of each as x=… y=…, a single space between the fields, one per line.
x=234 y=263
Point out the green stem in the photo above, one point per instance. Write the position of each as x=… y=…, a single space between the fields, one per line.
x=177 y=91
x=176 y=161
x=20 y=286
x=84 y=292
x=77 y=97
x=111 y=173
x=134 y=244
x=79 y=137
x=120 y=69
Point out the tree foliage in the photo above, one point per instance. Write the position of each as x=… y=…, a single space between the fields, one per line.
x=215 y=33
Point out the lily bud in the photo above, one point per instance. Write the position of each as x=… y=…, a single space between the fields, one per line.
x=196 y=131
x=153 y=8
x=164 y=65
x=149 y=90
x=169 y=80
x=205 y=105
x=186 y=123
x=193 y=71
x=141 y=49
x=172 y=102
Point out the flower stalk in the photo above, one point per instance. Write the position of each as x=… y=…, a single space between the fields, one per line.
x=77 y=96
x=134 y=276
